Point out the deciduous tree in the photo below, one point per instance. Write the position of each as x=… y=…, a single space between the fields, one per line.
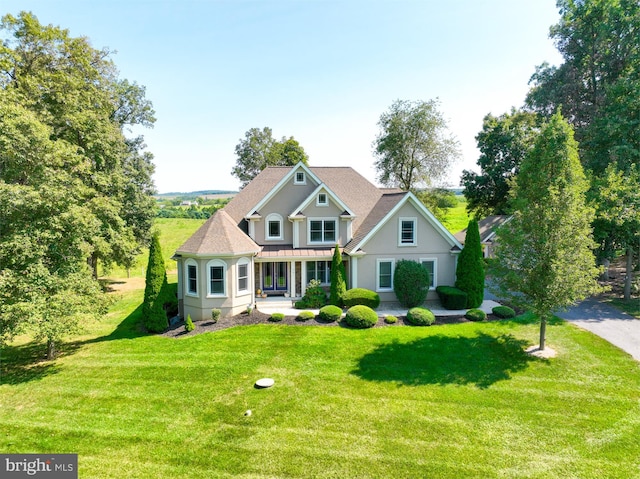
x=414 y=148
x=544 y=256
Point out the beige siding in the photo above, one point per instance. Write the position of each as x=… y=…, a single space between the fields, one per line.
x=329 y=212
x=384 y=245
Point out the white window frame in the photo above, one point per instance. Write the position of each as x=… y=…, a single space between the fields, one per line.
x=223 y=265
x=336 y=224
x=434 y=280
x=413 y=220
x=322 y=203
x=272 y=218
x=393 y=267
x=187 y=282
x=315 y=269
x=302 y=181
x=247 y=290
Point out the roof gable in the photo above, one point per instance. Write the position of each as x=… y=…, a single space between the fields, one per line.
x=331 y=195
x=386 y=207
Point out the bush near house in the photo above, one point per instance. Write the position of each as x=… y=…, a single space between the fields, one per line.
x=419 y=316
x=330 y=313
x=504 y=312
x=390 y=319
x=410 y=283
x=451 y=297
x=470 y=270
x=314 y=296
x=276 y=317
x=475 y=315
x=361 y=296
x=361 y=317
x=188 y=324
x=305 y=316
x=338 y=279
x=215 y=314
x=156 y=295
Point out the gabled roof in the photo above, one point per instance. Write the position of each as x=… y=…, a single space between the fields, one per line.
x=487 y=228
x=296 y=212
x=385 y=208
x=219 y=235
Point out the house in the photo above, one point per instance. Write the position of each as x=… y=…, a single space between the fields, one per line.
x=487 y=228
x=279 y=232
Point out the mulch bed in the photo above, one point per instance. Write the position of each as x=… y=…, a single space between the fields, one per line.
x=257 y=317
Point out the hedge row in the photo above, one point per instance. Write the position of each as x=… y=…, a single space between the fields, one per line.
x=451 y=297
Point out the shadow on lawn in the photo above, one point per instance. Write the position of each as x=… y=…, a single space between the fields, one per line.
x=481 y=360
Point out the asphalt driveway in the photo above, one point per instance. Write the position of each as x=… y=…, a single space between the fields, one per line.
x=620 y=329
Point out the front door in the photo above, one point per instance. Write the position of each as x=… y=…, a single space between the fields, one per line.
x=274 y=276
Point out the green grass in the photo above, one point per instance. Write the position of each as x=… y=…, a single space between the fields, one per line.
x=457 y=218
x=448 y=401
x=631 y=306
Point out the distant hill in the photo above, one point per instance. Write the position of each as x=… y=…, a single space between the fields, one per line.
x=195 y=194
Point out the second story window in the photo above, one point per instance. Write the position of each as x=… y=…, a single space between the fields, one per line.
x=322 y=200
x=322 y=231
x=407 y=232
x=300 y=178
x=274 y=227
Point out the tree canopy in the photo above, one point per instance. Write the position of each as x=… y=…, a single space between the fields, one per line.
x=543 y=256
x=74 y=189
x=414 y=148
x=258 y=149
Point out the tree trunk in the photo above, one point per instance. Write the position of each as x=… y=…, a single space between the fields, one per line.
x=629 y=277
x=51 y=349
x=543 y=330
x=92 y=261
x=605 y=272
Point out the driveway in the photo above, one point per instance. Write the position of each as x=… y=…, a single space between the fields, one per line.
x=620 y=329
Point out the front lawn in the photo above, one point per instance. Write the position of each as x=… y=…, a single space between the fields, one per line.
x=442 y=401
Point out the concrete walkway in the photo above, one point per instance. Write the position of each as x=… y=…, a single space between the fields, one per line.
x=620 y=329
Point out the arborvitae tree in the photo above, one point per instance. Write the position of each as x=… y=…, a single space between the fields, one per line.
x=544 y=255
x=470 y=270
x=154 y=316
x=338 y=279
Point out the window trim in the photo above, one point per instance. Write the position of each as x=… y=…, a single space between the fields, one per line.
x=322 y=203
x=435 y=271
x=190 y=262
x=327 y=270
x=223 y=265
x=302 y=181
x=272 y=218
x=324 y=241
x=414 y=221
x=379 y=261
x=247 y=263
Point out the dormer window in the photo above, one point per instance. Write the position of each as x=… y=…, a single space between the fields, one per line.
x=273 y=226
x=300 y=178
x=322 y=200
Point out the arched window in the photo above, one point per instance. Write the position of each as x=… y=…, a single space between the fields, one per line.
x=217 y=278
x=191 y=277
x=273 y=227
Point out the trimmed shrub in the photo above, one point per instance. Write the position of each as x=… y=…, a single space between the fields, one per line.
x=419 y=316
x=338 y=279
x=154 y=316
x=330 y=313
x=390 y=319
x=452 y=298
x=470 y=269
x=361 y=317
x=314 y=296
x=361 y=296
x=215 y=315
x=305 y=316
x=188 y=324
x=475 y=315
x=276 y=317
x=504 y=312
x=410 y=283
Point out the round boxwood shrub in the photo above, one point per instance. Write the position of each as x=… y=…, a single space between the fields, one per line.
x=475 y=315
x=390 y=319
x=276 y=317
x=419 y=316
x=305 y=316
x=504 y=312
x=361 y=316
x=330 y=313
x=410 y=283
x=361 y=296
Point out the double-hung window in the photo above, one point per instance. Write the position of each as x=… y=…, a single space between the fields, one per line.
x=192 y=277
x=430 y=265
x=243 y=277
x=320 y=270
x=322 y=231
x=384 y=280
x=407 y=232
x=216 y=276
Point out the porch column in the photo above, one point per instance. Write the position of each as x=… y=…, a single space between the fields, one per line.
x=303 y=272
x=354 y=271
x=292 y=279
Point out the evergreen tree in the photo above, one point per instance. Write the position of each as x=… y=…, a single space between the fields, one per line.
x=470 y=270
x=338 y=279
x=154 y=316
x=544 y=255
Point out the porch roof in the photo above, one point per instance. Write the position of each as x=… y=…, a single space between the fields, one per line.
x=287 y=251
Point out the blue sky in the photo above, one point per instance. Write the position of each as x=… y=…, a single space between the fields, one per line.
x=321 y=71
